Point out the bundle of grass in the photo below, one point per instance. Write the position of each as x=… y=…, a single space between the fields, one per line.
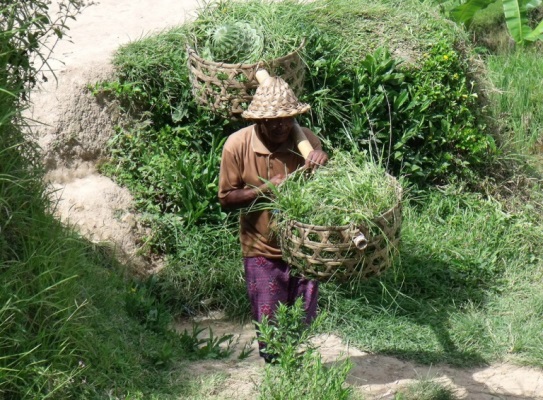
x=269 y=29
x=229 y=41
x=341 y=222
x=233 y=42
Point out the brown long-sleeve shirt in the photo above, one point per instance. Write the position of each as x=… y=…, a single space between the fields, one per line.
x=245 y=162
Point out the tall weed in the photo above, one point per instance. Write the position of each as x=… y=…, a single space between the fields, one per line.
x=516 y=77
x=298 y=371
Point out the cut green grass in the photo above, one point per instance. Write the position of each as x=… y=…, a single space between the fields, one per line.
x=348 y=190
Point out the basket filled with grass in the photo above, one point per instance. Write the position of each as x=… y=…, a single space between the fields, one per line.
x=223 y=60
x=342 y=222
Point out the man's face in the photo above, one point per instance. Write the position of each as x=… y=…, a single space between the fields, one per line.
x=277 y=130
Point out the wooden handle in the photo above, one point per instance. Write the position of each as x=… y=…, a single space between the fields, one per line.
x=299 y=137
x=301 y=141
x=261 y=75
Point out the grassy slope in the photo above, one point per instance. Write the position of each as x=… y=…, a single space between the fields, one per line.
x=71 y=326
x=442 y=302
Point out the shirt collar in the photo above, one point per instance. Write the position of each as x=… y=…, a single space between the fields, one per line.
x=260 y=148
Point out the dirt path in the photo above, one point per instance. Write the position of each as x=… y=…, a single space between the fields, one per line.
x=73 y=134
x=375 y=376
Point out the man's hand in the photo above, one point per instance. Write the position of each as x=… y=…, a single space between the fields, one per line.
x=276 y=180
x=315 y=159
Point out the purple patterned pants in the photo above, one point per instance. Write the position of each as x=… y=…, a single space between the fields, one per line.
x=269 y=282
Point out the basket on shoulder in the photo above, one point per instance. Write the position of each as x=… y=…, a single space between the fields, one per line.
x=228 y=87
x=342 y=253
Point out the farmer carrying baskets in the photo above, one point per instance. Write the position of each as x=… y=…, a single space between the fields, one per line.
x=254 y=158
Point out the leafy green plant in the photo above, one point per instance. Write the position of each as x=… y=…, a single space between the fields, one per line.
x=207 y=348
x=170 y=171
x=285 y=335
x=380 y=93
x=516 y=17
x=421 y=121
x=299 y=371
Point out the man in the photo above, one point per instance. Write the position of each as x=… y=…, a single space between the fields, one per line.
x=254 y=158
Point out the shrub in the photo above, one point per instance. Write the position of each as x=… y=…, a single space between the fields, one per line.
x=424 y=122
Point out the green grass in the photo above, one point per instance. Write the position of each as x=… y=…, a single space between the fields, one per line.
x=350 y=189
x=205 y=272
x=516 y=77
x=460 y=289
x=67 y=330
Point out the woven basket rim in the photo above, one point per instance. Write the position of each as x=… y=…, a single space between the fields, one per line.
x=339 y=227
x=193 y=53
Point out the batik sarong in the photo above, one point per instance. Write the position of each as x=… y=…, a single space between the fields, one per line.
x=269 y=282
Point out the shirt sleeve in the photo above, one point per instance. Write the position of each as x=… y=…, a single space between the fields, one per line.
x=313 y=139
x=230 y=177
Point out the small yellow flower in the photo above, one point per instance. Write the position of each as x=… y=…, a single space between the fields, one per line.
x=455 y=76
x=445 y=57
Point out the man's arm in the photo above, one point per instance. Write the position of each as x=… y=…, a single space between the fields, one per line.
x=239 y=198
x=317 y=157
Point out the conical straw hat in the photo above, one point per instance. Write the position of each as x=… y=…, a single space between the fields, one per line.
x=274 y=99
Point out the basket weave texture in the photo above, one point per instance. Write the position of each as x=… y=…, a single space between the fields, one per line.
x=229 y=88
x=328 y=252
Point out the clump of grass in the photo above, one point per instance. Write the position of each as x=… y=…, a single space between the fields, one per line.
x=426 y=389
x=203 y=272
x=348 y=190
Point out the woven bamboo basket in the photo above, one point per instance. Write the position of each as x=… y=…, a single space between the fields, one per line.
x=343 y=253
x=229 y=88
